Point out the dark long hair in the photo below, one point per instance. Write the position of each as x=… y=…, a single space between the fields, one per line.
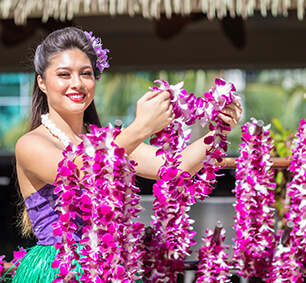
x=56 y=42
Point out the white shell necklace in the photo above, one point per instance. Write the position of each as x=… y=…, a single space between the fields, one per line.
x=54 y=130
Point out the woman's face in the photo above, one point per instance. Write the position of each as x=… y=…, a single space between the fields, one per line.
x=69 y=82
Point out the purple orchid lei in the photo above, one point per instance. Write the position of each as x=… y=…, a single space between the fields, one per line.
x=172 y=235
x=289 y=262
x=101 y=53
x=106 y=199
x=69 y=193
x=297 y=193
x=254 y=222
x=285 y=267
x=213 y=266
x=175 y=192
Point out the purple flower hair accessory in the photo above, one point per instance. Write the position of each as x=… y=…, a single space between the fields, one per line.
x=101 y=53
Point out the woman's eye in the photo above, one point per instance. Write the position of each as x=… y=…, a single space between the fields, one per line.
x=63 y=74
x=88 y=73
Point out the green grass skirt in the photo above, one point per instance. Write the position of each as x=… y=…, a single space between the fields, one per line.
x=36 y=266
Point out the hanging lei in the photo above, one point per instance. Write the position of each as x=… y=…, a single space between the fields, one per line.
x=111 y=239
x=107 y=202
x=289 y=262
x=175 y=192
x=254 y=222
x=213 y=266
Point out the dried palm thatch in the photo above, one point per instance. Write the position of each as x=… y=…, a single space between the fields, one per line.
x=20 y=10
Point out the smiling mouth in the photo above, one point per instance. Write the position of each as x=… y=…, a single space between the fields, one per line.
x=76 y=97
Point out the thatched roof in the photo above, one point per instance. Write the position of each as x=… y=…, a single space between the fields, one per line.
x=20 y=10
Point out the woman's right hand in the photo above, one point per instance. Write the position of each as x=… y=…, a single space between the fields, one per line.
x=154 y=112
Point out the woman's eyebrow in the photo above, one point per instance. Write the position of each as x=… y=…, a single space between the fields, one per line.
x=68 y=68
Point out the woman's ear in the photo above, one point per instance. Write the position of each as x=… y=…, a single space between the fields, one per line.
x=41 y=84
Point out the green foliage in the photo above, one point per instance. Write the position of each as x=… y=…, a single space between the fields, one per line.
x=10 y=138
x=282 y=148
x=282 y=139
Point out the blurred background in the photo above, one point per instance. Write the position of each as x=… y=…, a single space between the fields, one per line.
x=257 y=45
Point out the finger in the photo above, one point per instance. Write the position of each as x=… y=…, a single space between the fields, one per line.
x=173 y=116
x=149 y=95
x=171 y=111
x=232 y=106
x=237 y=103
x=164 y=95
x=227 y=111
x=232 y=110
x=232 y=122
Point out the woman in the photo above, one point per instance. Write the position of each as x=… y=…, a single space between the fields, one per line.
x=65 y=66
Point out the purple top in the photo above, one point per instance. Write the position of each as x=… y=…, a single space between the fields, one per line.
x=41 y=209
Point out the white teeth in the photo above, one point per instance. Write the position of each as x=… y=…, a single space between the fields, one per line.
x=76 y=96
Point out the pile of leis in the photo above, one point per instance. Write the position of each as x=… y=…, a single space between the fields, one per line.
x=289 y=262
x=213 y=266
x=101 y=53
x=106 y=200
x=175 y=192
x=254 y=222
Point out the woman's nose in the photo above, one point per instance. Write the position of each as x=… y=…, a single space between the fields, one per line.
x=76 y=82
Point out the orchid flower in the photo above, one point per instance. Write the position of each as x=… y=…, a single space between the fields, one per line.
x=101 y=53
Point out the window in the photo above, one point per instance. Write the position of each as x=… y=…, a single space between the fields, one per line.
x=14 y=104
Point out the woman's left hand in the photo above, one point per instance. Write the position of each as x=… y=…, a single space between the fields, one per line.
x=231 y=114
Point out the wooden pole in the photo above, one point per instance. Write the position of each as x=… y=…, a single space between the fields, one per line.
x=217 y=232
x=289 y=226
x=278 y=163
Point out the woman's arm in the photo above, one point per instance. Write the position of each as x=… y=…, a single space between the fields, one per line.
x=192 y=156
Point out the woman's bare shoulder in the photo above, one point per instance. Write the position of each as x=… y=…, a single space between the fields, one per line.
x=34 y=144
x=37 y=156
x=31 y=140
